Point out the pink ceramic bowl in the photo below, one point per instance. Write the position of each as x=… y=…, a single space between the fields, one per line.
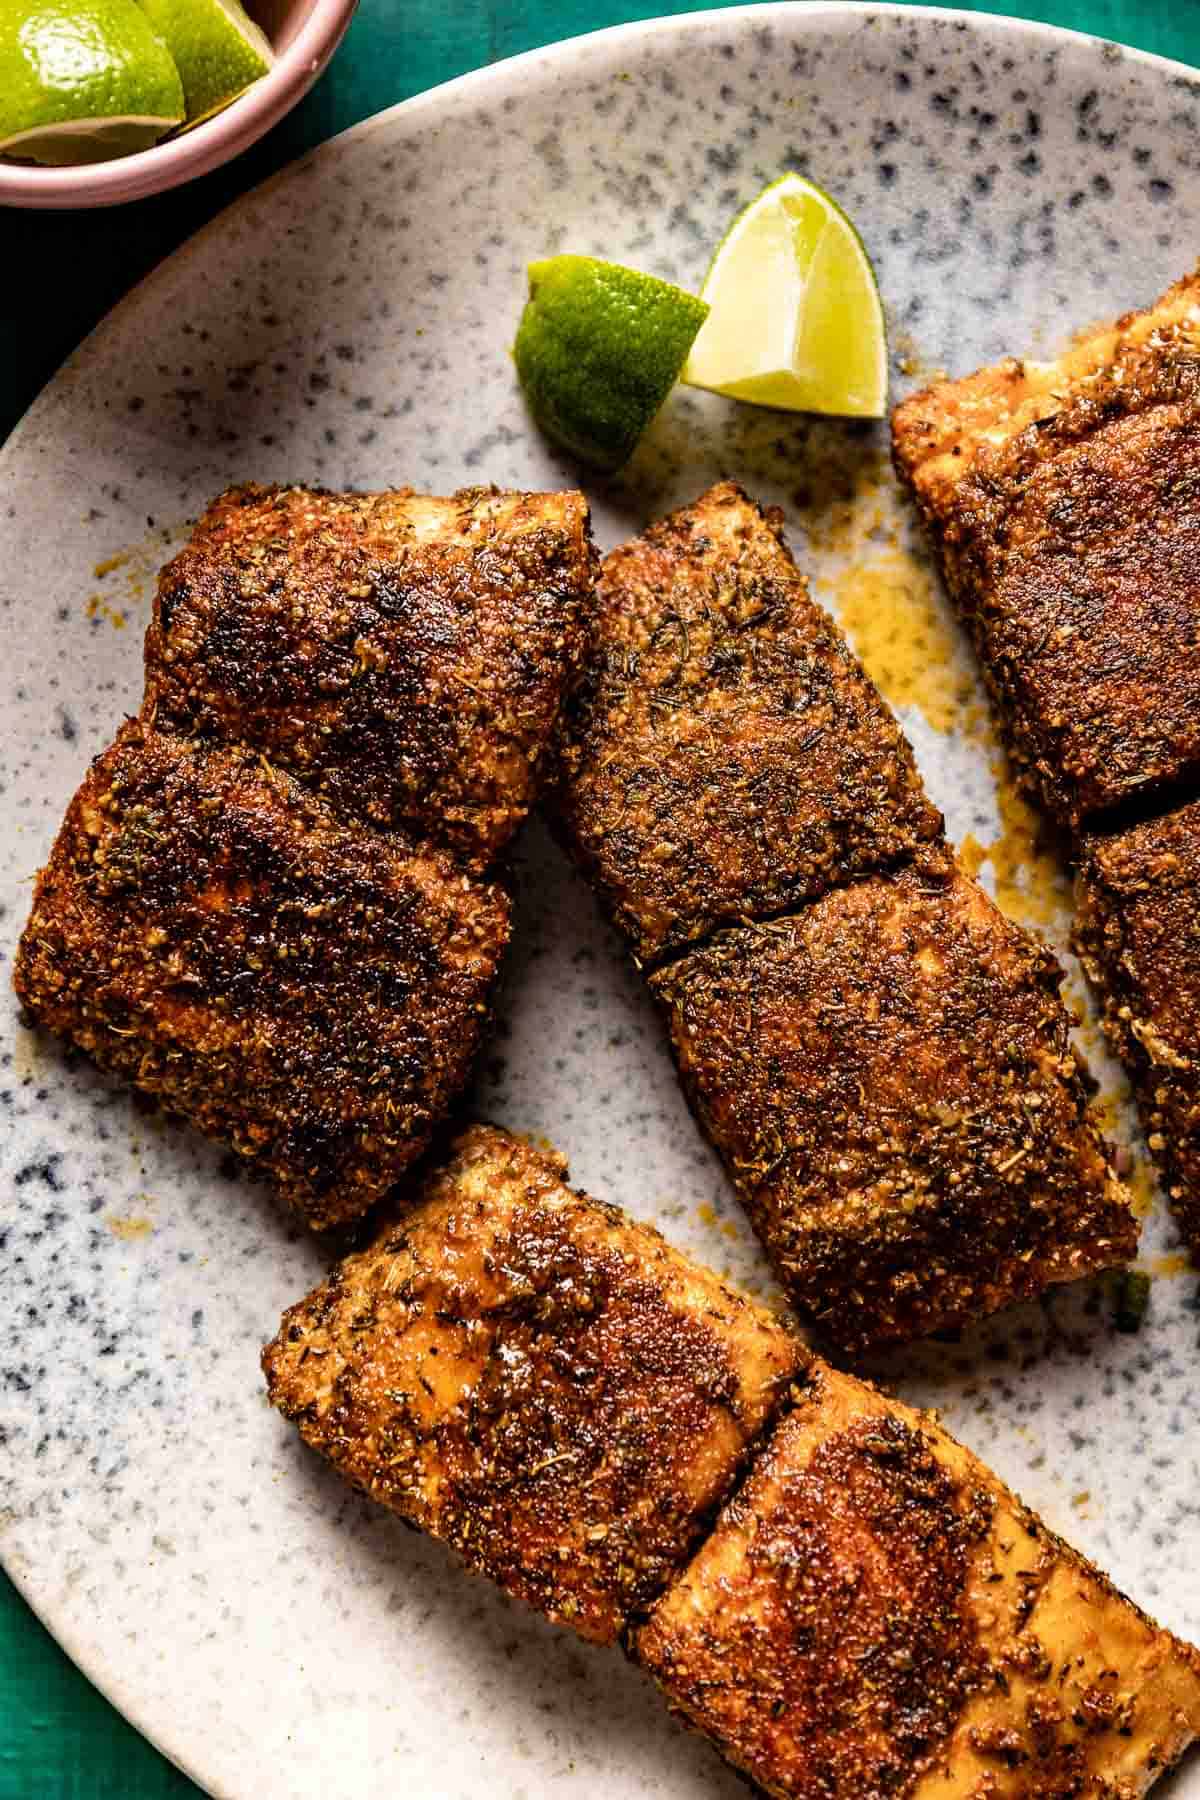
x=305 y=34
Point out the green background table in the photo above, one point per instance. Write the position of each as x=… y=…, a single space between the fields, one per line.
x=59 y=1740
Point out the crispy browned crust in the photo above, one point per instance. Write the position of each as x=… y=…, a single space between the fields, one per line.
x=536 y=1379
x=889 y=1079
x=308 y=991
x=726 y=755
x=1137 y=931
x=1061 y=501
x=876 y=1614
x=406 y=656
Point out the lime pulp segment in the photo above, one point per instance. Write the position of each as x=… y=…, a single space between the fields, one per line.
x=795 y=317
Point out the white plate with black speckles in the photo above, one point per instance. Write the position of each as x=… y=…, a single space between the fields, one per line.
x=349 y=324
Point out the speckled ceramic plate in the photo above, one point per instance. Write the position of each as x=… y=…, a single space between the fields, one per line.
x=348 y=324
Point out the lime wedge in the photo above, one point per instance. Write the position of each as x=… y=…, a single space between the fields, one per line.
x=82 y=80
x=218 y=50
x=598 y=350
x=795 y=318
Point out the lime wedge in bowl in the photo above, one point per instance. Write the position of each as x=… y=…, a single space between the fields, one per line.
x=598 y=350
x=217 y=47
x=83 y=80
x=795 y=319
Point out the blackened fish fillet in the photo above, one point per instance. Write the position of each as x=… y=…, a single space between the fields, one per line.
x=307 y=990
x=880 y=1058
x=1063 y=502
x=726 y=754
x=405 y=655
x=268 y=903
x=875 y=1613
x=534 y=1378
x=548 y=1386
x=889 y=1079
x=1137 y=931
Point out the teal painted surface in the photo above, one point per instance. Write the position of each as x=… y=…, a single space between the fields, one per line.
x=59 y=1740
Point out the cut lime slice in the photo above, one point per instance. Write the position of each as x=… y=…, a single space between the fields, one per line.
x=218 y=50
x=598 y=350
x=795 y=318
x=82 y=80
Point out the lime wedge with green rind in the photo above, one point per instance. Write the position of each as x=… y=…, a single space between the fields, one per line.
x=83 y=80
x=795 y=317
x=598 y=350
x=217 y=47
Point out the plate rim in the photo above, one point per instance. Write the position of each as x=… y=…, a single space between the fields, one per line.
x=816 y=16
